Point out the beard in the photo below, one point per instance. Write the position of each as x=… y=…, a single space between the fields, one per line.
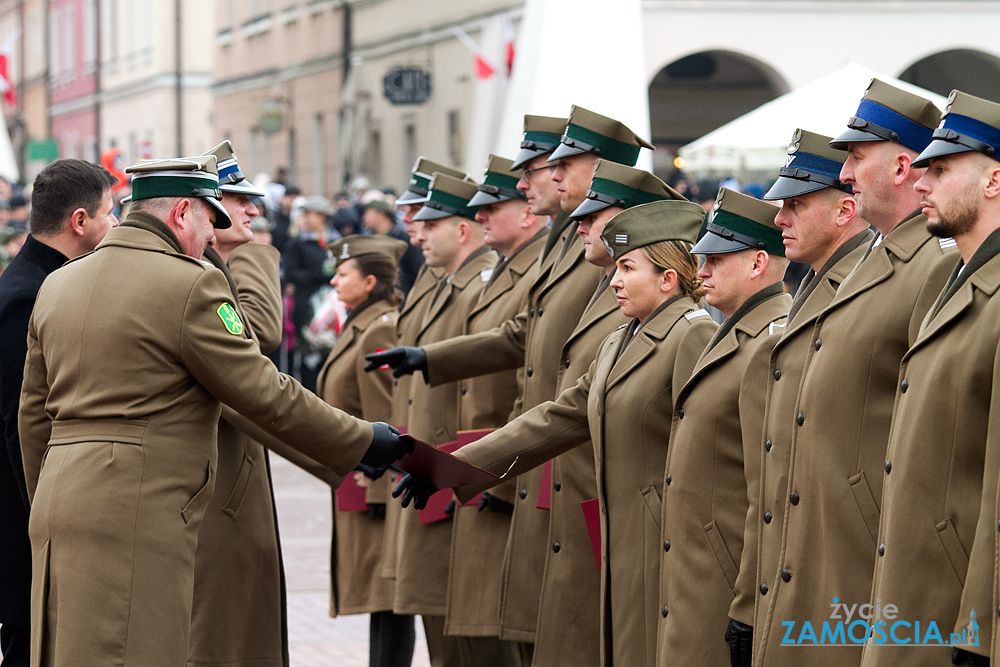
x=959 y=217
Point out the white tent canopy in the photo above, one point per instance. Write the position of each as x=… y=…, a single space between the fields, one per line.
x=758 y=140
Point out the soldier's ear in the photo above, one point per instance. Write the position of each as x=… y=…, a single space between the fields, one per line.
x=76 y=221
x=992 y=189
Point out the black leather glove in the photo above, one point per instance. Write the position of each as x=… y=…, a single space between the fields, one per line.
x=494 y=504
x=386 y=447
x=402 y=361
x=369 y=472
x=413 y=490
x=739 y=636
x=450 y=507
x=376 y=511
x=962 y=657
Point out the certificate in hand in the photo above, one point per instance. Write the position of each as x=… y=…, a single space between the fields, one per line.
x=438 y=467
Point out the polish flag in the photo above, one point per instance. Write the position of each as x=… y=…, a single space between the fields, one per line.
x=6 y=85
x=484 y=68
x=508 y=42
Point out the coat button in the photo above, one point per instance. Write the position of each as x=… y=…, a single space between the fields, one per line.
x=670 y=478
x=531 y=312
x=767 y=517
x=541 y=310
x=818 y=344
x=530 y=371
x=523 y=493
x=566 y=363
x=555 y=547
x=680 y=413
x=793 y=498
x=888 y=467
x=666 y=545
x=800 y=418
x=399 y=333
x=395 y=382
x=464 y=390
x=881 y=549
x=664 y=612
x=767 y=445
x=777 y=373
x=786 y=575
x=409 y=401
x=904 y=385
x=556 y=486
x=763 y=589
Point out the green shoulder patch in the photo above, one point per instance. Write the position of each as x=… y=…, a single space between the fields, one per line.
x=229 y=317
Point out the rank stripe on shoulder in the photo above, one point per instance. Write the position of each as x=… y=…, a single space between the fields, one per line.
x=946 y=243
x=696 y=313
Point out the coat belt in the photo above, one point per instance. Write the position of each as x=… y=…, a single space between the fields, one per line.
x=70 y=431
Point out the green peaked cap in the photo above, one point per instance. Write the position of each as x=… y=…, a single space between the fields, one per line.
x=420 y=180
x=195 y=176
x=739 y=222
x=616 y=184
x=499 y=183
x=448 y=196
x=607 y=138
x=541 y=135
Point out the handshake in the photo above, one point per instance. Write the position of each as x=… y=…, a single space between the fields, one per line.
x=388 y=447
x=402 y=361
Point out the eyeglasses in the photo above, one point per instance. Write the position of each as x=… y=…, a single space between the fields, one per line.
x=526 y=173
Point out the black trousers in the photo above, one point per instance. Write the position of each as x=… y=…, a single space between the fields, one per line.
x=15 y=641
x=391 y=638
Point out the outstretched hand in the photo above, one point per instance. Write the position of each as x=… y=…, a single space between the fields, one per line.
x=413 y=490
x=402 y=361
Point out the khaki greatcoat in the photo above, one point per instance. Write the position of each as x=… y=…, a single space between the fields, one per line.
x=624 y=404
x=357 y=586
x=238 y=615
x=840 y=432
x=766 y=461
x=557 y=298
x=569 y=613
x=118 y=424
x=487 y=401
x=423 y=550
x=936 y=554
x=705 y=494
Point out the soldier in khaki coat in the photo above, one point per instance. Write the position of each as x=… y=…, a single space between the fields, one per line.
x=569 y=609
x=365 y=280
x=718 y=409
x=239 y=597
x=480 y=530
x=820 y=227
x=453 y=241
x=120 y=472
x=937 y=536
x=624 y=405
x=836 y=463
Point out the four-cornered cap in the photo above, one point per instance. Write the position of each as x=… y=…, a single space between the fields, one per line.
x=812 y=164
x=231 y=178
x=420 y=179
x=646 y=224
x=615 y=184
x=351 y=246
x=739 y=222
x=969 y=124
x=499 y=183
x=448 y=196
x=180 y=177
x=541 y=135
x=317 y=204
x=887 y=113
x=608 y=139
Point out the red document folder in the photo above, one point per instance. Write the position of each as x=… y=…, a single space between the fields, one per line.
x=592 y=515
x=545 y=488
x=351 y=494
x=437 y=466
x=436 y=504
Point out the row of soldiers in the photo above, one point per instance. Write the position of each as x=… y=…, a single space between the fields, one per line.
x=824 y=493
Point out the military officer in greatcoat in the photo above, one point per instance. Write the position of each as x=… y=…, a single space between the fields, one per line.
x=836 y=463
x=130 y=351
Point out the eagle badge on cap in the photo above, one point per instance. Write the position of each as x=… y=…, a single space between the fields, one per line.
x=796 y=140
x=718 y=200
x=607 y=246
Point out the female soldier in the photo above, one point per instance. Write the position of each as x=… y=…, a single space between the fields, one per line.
x=366 y=282
x=625 y=404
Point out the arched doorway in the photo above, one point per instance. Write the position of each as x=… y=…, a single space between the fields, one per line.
x=699 y=92
x=973 y=72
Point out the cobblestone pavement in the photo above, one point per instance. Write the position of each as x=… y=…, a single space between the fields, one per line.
x=315 y=639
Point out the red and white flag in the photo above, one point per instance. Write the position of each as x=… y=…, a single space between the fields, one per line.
x=6 y=84
x=508 y=44
x=484 y=68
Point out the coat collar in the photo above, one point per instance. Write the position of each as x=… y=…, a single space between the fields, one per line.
x=606 y=304
x=356 y=326
x=42 y=254
x=567 y=261
x=646 y=338
x=469 y=270
x=426 y=281
x=508 y=272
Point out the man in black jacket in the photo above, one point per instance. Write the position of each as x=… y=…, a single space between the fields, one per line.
x=71 y=210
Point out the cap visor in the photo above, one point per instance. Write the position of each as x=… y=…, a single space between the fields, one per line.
x=587 y=207
x=126 y=199
x=429 y=213
x=222 y=220
x=483 y=198
x=938 y=148
x=243 y=187
x=527 y=155
x=784 y=188
x=411 y=197
x=846 y=137
x=713 y=244
x=562 y=150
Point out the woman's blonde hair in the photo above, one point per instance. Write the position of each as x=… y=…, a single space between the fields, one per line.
x=677 y=255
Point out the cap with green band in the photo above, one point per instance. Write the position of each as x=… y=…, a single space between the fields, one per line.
x=618 y=185
x=740 y=222
x=646 y=224
x=420 y=180
x=448 y=196
x=231 y=177
x=607 y=138
x=541 y=135
x=180 y=177
x=499 y=183
x=351 y=246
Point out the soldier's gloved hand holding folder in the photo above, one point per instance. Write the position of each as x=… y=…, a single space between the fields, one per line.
x=429 y=469
x=402 y=361
x=387 y=446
